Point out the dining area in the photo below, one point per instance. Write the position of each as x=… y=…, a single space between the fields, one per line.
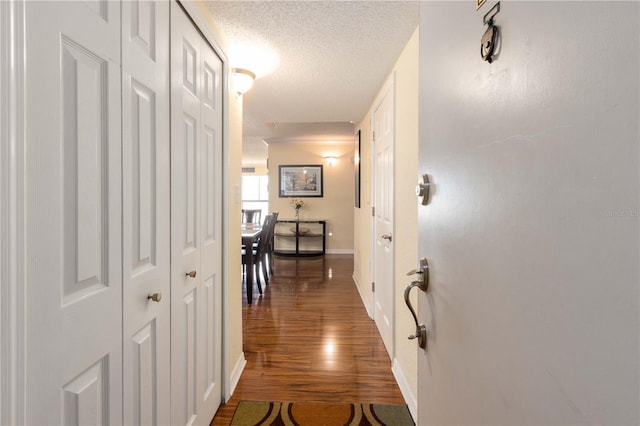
x=257 y=249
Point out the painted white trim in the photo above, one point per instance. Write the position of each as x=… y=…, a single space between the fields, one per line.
x=364 y=301
x=241 y=363
x=12 y=212
x=405 y=389
x=194 y=13
x=229 y=381
x=339 y=251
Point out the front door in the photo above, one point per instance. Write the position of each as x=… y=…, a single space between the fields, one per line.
x=196 y=230
x=532 y=228
x=73 y=214
x=145 y=203
x=383 y=131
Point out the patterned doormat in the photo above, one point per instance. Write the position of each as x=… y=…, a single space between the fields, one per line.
x=316 y=414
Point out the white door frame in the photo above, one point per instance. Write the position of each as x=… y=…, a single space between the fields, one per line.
x=388 y=88
x=201 y=24
x=12 y=211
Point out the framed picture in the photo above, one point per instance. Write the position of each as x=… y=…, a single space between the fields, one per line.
x=300 y=181
x=356 y=162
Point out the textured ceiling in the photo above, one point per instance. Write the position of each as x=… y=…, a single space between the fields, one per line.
x=315 y=61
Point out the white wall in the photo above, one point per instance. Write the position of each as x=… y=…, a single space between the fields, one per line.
x=533 y=227
x=406 y=215
x=336 y=204
x=405 y=240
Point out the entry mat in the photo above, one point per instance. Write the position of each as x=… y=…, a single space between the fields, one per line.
x=250 y=413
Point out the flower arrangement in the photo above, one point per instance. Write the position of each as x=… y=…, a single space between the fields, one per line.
x=296 y=203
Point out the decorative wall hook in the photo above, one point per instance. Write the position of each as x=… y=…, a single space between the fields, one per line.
x=490 y=36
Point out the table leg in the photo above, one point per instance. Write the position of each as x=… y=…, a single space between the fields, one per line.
x=249 y=273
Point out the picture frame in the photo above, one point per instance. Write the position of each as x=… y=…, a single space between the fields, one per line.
x=300 y=181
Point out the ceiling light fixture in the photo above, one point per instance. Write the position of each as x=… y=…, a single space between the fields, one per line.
x=243 y=80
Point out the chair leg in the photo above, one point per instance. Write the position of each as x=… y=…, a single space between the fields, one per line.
x=264 y=271
x=257 y=273
x=270 y=254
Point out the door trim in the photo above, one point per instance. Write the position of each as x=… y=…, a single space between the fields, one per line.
x=12 y=211
x=388 y=88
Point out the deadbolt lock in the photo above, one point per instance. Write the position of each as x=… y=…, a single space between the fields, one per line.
x=422 y=189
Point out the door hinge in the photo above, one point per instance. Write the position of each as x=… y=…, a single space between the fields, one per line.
x=374 y=135
x=373 y=211
x=373 y=287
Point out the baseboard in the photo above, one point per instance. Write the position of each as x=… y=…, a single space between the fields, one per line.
x=364 y=300
x=237 y=372
x=405 y=389
x=339 y=251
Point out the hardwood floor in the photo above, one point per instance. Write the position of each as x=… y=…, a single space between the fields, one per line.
x=309 y=338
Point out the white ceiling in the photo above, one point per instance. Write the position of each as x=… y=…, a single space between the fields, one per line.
x=315 y=62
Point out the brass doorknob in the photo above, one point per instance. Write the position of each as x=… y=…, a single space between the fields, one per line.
x=156 y=297
x=191 y=274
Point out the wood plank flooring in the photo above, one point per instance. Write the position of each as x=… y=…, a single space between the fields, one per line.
x=309 y=338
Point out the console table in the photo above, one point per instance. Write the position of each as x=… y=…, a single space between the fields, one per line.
x=299 y=237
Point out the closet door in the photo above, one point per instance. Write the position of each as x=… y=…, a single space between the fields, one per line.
x=73 y=218
x=145 y=203
x=196 y=200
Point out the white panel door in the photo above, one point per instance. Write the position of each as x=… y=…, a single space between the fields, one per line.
x=532 y=228
x=383 y=127
x=196 y=175
x=73 y=220
x=210 y=317
x=145 y=203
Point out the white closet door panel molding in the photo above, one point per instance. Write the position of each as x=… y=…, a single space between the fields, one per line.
x=73 y=213
x=146 y=225
x=196 y=223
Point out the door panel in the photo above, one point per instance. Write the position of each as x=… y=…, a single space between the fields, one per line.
x=532 y=227
x=73 y=219
x=196 y=224
x=211 y=230
x=383 y=219
x=146 y=248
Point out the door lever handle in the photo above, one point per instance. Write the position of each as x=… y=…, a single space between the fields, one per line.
x=421 y=329
x=387 y=237
x=422 y=273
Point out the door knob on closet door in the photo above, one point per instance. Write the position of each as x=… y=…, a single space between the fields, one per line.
x=156 y=297
x=387 y=237
x=191 y=274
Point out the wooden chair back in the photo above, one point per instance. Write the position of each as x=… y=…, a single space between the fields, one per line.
x=251 y=216
x=263 y=241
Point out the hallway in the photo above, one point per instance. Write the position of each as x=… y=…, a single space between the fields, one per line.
x=309 y=338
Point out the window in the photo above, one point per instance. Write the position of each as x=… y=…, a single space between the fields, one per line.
x=255 y=193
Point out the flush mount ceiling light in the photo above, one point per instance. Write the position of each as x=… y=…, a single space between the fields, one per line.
x=243 y=80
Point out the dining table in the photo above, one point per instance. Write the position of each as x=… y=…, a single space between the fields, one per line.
x=249 y=237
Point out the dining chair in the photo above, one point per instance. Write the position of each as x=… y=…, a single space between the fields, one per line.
x=259 y=252
x=251 y=217
x=271 y=242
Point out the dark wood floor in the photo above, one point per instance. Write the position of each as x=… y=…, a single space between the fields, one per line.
x=309 y=339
